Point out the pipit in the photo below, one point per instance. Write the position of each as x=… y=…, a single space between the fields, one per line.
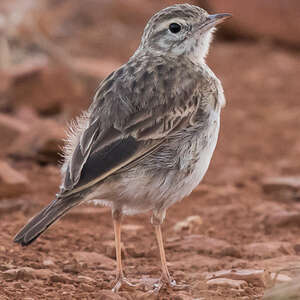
x=148 y=137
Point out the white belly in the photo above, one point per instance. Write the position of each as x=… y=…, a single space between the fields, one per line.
x=190 y=182
x=135 y=191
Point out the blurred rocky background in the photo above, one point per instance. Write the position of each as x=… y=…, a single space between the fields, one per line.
x=242 y=236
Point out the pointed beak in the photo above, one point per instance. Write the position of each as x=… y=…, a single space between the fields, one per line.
x=218 y=18
x=214 y=20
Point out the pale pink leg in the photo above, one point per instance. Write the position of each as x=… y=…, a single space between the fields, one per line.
x=120 y=278
x=166 y=278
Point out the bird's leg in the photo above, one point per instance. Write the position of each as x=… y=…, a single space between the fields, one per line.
x=120 y=278
x=117 y=230
x=165 y=278
x=157 y=220
x=165 y=272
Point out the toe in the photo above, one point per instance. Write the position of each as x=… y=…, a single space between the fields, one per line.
x=168 y=283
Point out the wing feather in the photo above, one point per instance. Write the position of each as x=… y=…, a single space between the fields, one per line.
x=123 y=130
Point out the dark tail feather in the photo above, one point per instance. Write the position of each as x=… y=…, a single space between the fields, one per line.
x=38 y=224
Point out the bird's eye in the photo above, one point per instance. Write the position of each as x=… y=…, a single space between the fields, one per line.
x=174 y=27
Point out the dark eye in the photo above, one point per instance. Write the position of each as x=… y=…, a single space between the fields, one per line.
x=174 y=27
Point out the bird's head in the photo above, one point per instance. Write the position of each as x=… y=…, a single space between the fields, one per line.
x=181 y=29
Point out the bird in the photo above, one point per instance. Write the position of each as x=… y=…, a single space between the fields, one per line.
x=148 y=137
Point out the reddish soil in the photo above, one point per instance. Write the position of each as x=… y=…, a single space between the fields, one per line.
x=239 y=226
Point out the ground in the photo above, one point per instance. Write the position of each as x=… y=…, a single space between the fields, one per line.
x=241 y=221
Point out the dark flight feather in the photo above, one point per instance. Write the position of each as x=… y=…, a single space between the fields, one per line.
x=39 y=223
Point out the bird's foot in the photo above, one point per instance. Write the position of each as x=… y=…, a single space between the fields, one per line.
x=168 y=283
x=153 y=286
x=122 y=282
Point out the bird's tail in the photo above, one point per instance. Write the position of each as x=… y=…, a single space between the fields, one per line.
x=39 y=223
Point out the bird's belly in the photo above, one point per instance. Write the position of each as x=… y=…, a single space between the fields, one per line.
x=164 y=177
x=199 y=169
x=195 y=171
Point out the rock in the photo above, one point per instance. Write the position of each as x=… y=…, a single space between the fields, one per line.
x=289 y=263
x=30 y=68
x=5 y=267
x=139 y=295
x=11 y=274
x=277 y=19
x=27 y=115
x=110 y=249
x=226 y=282
x=93 y=258
x=132 y=228
x=268 y=249
x=284 y=187
x=127 y=295
x=12 y=182
x=26 y=273
x=60 y=278
x=108 y=295
x=287 y=291
x=5 y=84
x=282 y=218
x=49 y=145
x=183 y=296
x=43 y=274
x=11 y=128
x=86 y=279
x=279 y=183
x=48 y=262
x=69 y=286
x=135 y=250
x=43 y=143
x=9 y=206
x=297 y=248
x=188 y=224
x=200 y=243
x=255 y=277
x=280 y=278
x=72 y=268
x=95 y=68
x=230 y=251
x=86 y=287
x=49 y=91
x=196 y=263
x=267 y=207
x=17 y=285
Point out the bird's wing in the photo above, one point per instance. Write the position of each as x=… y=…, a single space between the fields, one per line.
x=123 y=129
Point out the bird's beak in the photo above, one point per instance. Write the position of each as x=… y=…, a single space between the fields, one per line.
x=214 y=20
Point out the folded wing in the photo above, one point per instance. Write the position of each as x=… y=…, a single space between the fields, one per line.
x=123 y=129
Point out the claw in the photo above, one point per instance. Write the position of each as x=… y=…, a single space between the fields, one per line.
x=168 y=283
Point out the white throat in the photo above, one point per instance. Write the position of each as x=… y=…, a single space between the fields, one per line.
x=198 y=49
